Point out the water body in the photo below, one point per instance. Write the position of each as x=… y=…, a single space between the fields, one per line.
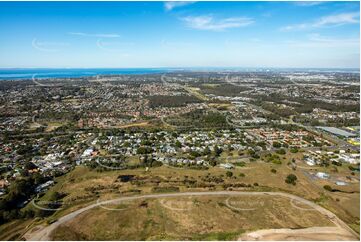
x=17 y=74
x=28 y=73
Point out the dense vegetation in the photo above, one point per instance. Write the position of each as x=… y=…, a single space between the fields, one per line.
x=171 y=101
x=223 y=89
x=201 y=119
x=301 y=105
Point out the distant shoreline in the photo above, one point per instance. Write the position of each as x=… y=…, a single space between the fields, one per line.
x=42 y=73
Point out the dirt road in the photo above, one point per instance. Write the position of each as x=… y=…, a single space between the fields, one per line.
x=313 y=233
x=43 y=233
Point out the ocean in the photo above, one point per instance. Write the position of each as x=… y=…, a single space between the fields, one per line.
x=18 y=74
x=29 y=73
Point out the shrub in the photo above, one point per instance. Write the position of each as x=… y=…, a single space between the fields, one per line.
x=328 y=188
x=229 y=174
x=277 y=162
x=281 y=151
x=276 y=144
x=273 y=170
x=291 y=179
x=294 y=150
x=240 y=163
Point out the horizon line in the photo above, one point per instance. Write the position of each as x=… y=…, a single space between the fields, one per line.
x=189 y=67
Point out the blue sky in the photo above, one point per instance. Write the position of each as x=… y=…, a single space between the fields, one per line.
x=179 y=34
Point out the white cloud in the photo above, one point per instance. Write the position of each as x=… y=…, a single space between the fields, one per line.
x=332 y=41
x=95 y=35
x=327 y=21
x=338 y=19
x=47 y=46
x=295 y=27
x=318 y=41
x=175 y=4
x=208 y=23
x=307 y=3
x=112 y=46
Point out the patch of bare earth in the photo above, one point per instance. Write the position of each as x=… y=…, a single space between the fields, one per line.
x=307 y=234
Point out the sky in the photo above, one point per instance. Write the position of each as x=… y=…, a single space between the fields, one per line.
x=179 y=34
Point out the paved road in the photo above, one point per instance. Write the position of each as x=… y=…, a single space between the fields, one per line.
x=45 y=232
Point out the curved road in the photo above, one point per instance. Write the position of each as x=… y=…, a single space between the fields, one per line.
x=44 y=233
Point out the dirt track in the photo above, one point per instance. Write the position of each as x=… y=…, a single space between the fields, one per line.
x=313 y=233
x=342 y=230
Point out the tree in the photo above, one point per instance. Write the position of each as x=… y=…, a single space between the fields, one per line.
x=144 y=150
x=328 y=188
x=212 y=162
x=294 y=150
x=29 y=166
x=251 y=152
x=291 y=179
x=276 y=144
x=194 y=153
x=229 y=174
x=256 y=156
x=281 y=152
x=240 y=153
x=206 y=151
x=218 y=151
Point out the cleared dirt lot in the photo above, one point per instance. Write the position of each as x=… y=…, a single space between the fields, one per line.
x=308 y=234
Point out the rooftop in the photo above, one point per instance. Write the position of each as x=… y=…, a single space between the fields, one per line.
x=337 y=131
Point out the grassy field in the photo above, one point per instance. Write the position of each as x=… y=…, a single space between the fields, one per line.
x=211 y=85
x=189 y=218
x=195 y=92
x=14 y=230
x=83 y=186
x=142 y=124
x=51 y=126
